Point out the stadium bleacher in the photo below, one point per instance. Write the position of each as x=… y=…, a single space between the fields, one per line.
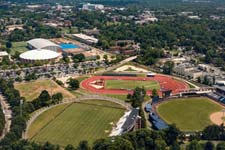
x=157 y=122
x=217 y=97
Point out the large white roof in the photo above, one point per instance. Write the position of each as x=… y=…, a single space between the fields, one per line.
x=41 y=43
x=39 y=54
x=86 y=37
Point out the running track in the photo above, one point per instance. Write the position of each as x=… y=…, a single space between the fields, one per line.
x=165 y=82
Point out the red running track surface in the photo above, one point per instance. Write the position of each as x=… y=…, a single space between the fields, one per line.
x=165 y=82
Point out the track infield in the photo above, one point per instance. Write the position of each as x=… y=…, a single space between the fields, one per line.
x=126 y=84
x=189 y=114
x=72 y=123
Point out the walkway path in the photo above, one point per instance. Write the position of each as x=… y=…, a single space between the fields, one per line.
x=8 y=115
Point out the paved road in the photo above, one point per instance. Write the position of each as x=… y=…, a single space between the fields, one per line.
x=117 y=65
x=8 y=115
x=149 y=125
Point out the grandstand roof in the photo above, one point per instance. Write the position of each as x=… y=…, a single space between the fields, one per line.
x=41 y=43
x=220 y=87
x=131 y=119
x=39 y=54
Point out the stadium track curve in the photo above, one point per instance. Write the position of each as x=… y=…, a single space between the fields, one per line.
x=165 y=82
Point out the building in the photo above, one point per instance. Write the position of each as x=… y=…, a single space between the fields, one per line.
x=3 y=54
x=85 y=38
x=188 y=70
x=43 y=44
x=130 y=121
x=92 y=7
x=42 y=55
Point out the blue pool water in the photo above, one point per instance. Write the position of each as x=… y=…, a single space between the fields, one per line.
x=65 y=46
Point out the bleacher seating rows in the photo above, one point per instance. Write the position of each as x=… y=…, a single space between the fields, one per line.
x=217 y=97
x=158 y=123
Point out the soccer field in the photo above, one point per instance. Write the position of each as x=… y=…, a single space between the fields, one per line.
x=131 y=84
x=72 y=123
x=189 y=114
x=31 y=90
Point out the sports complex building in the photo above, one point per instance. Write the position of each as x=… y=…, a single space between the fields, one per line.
x=43 y=44
x=39 y=55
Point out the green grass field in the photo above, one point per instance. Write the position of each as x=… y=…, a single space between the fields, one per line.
x=69 y=124
x=189 y=114
x=131 y=84
x=18 y=46
x=31 y=90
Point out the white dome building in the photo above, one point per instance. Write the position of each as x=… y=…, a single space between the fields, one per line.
x=39 y=55
x=40 y=43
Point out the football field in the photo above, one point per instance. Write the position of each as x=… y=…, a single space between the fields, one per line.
x=189 y=114
x=72 y=123
x=131 y=84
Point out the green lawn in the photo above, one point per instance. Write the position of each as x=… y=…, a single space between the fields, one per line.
x=79 y=121
x=189 y=114
x=18 y=46
x=130 y=69
x=131 y=84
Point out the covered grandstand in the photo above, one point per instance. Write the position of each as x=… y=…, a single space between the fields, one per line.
x=39 y=55
x=40 y=43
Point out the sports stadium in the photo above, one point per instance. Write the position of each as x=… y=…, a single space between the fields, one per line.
x=125 y=84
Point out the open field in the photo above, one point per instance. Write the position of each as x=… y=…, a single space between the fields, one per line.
x=31 y=90
x=18 y=46
x=131 y=84
x=72 y=123
x=189 y=114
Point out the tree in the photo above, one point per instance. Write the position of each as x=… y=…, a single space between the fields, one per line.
x=57 y=97
x=73 y=84
x=172 y=133
x=194 y=145
x=8 y=44
x=83 y=145
x=175 y=146
x=69 y=147
x=97 y=57
x=209 y=146
x=154 y=93
x=220 y=146
x=78 y=58
x=113 y=143
x=138 y=97
x=211 y=132
x=168 y=67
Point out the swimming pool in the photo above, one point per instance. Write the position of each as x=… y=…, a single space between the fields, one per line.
x=65 y=46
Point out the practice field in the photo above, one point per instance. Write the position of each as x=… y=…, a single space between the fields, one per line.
x=18 y=46
x=31 y=90
x=72 y=123
x=189 y=114
x=131 y=84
